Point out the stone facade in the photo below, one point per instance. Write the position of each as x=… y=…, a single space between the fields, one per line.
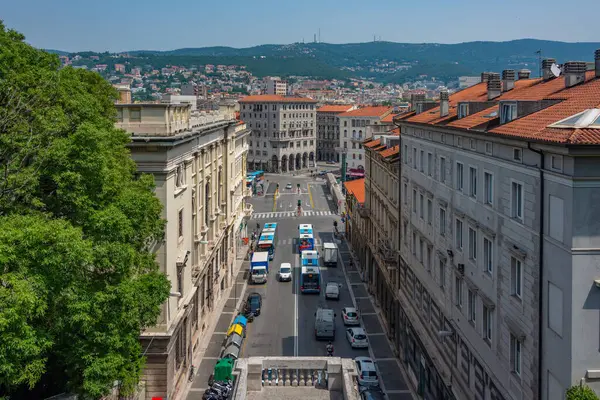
x=200 y=179
x=328 y=131
x=283 y=132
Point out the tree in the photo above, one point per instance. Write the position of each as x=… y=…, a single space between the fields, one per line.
x=78 y=279
x=583 y=392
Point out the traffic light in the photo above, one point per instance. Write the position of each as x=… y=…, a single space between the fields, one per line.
x=298 y=185
x=299 y=203
x=278 y=186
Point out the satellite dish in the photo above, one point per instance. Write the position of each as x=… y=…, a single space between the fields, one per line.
x=555 y=70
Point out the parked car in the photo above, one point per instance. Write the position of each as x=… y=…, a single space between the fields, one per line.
x=350 y=316
x=367 y=373
x=285 y=272
x=288 y=186
x=253 y=304
x=332 y=291
x=371 y=393
x=357 y=338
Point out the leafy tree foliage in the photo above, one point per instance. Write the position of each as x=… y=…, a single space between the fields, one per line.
x=78 y=280
x=581 y=393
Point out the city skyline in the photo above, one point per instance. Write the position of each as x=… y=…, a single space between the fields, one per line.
x=147 y=26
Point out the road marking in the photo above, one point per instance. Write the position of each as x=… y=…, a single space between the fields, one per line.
x=274 y=203
x=297 y=285
x=312 y=204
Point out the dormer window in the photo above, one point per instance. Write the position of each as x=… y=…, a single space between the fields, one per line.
x=463 y=110
x=508 y=112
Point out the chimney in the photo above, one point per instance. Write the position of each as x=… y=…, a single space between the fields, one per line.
x=574 y=72
x=494 y=87
x=485 y=76
x=124 y=94
x=508 y=79
x=546 y=72
x=416 y=98
x=524 y=74
x=444 y=102
x=597 y=60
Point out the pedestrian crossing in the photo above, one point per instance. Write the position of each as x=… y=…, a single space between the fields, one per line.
x=289 y=214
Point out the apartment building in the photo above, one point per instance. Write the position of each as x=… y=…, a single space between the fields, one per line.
x=275 y=86
x=499 y=237
x=353 y=131
x=328 y=130
x=283 y=132
x=198 y=162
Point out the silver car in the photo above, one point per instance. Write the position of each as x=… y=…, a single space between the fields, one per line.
x=367 y=373
x=350 y=316
x=332 y=291
x=357 y=338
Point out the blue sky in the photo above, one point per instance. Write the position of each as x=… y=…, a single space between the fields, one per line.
x=112 y=25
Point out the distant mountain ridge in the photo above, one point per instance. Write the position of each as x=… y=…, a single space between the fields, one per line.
x=365 y=59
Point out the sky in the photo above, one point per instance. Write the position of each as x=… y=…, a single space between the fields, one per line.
x=113 y=25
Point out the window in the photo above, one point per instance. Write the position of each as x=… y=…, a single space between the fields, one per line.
x=556 y=162
x=405 y=193
x=421 y=250
x=430 y=164
x=414 y=243
x=488 y=255
x=471 y=304
x=517 y=155
x=443 y=169
x=515 y=354
x=405 y=233
x=488 y=148
x=442 y=272
x=429 y=258
x=429 y=211
x=473 y=144
x=517 y=200
x=488 y=183
x=421 y=206
x=180 y=223
x=442 y=221
x=459 y=141
x=414 y=158
x=414 y=208
x=458 y=294
x=422 y=161
x=472 y=244
x=516 y=277
x=463 y=110
x=473 y=182
x=459 y=234
x=459 y=176
x=405 y=155
x=135 y=114
x=508 y=112
x=487 y=323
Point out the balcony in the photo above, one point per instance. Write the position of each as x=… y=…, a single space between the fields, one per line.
x=357 y=138
x=279 y=137
x=363 y=211
x=387 y=255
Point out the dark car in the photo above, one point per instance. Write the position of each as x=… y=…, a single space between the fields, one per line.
x=253 y=304
x=371 y=393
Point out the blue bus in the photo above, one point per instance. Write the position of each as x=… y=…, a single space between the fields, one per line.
x=266 y=242
x=306 y=238
x=310 y=279
x=269 y=227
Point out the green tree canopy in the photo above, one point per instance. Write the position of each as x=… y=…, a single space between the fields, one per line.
x=78 y=279
x=581 y=393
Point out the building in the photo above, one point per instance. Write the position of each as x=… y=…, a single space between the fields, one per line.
x=468 y=81
x=355 y=224
x=295 y=378
x=181 y=99
x=275 y=86
x=194 y=89
x=328 y=130
x=198 y=163
x=353 y=131
x=499 y=237
x=283 y=132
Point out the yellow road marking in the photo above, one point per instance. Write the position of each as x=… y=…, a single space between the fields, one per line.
x=275 y=202
x=312 y=204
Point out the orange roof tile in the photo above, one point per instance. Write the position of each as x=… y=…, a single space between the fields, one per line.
x=357 y=189
x=371 y=143
x=379 y=111
x=273 y=98
x=334 y=108
x=390 y=152
x=474 y=120
x=388 y=119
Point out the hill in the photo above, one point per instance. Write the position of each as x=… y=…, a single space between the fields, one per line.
x=385 y=61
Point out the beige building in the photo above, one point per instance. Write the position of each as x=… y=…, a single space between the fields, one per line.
x=353 y=131
x=274 y=85
x=198 y=162
x=328 y=130
x=283 y=132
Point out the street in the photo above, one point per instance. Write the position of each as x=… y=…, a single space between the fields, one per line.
x=286 y=324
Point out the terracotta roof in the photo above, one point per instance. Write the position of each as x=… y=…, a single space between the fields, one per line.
x=388 y=119
x=357 y=189
x=273 y=98
x=371 y=143
x=379 y=111
x=475 y=120
x=390 y=152
x=334 y=108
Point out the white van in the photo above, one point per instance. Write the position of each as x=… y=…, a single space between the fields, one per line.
x=325 y=324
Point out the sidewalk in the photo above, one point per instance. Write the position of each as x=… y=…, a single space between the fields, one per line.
x=182 y=392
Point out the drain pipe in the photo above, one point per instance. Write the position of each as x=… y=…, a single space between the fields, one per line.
x=541 y=262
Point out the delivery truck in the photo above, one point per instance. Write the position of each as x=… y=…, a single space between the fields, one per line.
x=330 y=254
x=259 y=267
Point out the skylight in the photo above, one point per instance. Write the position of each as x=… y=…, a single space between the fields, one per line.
x=493 y=114
x=586 y=119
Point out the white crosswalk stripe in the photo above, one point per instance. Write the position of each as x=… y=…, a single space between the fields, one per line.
x=288 y=214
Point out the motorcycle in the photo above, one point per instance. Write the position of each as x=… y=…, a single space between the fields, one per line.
x=329 y=351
